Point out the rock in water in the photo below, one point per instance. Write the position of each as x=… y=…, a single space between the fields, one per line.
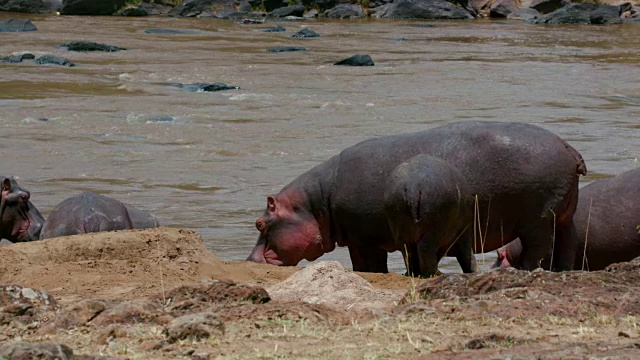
x=357 y=60
x=17 y=25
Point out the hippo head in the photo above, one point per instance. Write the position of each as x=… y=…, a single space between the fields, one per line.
x=19 y=220
x=502 y=261
x=288 y=233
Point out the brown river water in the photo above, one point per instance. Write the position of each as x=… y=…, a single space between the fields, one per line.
x=207 y=161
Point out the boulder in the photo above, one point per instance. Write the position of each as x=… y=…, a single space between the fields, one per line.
x=357 y=60
x=345 y=11
x=422 y=9
x=91 y=7
x=546 y=6
x=155 y=8
x=268 y=5
x=525 y=14
x=583 y=14
x=30 y=6
x=199 y=326
x=24 y=305
x=136 y=11
x=502 y=8
x=321 y=5
x=293 y=10
x=28 y=351
x=210 y=8
x=17 y=25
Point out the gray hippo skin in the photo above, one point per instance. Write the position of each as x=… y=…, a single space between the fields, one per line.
x=606 y=219
x=525 y=179
x=90 y=212
x=20 y=221
x=430 y=212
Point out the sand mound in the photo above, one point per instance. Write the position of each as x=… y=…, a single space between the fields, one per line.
x=121 y=264
x=327 y=282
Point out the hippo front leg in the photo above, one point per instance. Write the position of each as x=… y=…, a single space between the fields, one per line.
x=464 y=253
x=368 y=258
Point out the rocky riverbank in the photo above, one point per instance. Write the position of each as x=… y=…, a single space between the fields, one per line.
x=158 y=293
x=257 y=11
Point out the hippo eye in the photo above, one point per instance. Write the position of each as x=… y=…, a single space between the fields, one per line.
x=261 y=225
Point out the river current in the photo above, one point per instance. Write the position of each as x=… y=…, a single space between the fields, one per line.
x=113 y=124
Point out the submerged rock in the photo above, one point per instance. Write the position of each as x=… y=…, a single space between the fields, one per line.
x=17 y=25
x=305 y=33
x=205 y=87
x=357 y=60
x=90 y=46
x=54 y=60
x=286 y=49
x=275 y=29
x=172 y=31
x=17 y=58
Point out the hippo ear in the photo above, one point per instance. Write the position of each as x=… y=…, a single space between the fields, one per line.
x=6 y=184
x=271 y=203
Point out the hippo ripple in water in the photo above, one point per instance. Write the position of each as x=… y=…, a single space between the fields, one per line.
x=525 y=179
x=19 y=219
x=90 y=212
x=607 y=220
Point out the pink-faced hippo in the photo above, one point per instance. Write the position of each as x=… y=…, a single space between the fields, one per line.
x=19 y=219
x=607 y=220
x=430 y=212
x=89 y=212
x=524 y=180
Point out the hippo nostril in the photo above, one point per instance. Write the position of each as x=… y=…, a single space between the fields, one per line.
x=24 y=196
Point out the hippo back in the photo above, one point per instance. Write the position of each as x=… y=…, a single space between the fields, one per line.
x=504 y=164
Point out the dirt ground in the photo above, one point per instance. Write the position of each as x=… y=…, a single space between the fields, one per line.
x=159 y=294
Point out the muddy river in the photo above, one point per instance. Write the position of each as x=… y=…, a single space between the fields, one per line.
x=206 y=161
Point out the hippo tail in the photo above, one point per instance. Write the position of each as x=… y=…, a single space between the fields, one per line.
x=581 y=167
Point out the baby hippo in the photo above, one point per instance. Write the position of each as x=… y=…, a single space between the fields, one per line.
x=430 y=213
x=90 y=212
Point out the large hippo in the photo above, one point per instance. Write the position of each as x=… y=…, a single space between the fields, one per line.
x=19 y=219
x=89 y=212
x=430 y=209
x=606 y=220
x=525 y=179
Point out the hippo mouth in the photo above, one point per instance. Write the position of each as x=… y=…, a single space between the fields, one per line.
x=270 y=257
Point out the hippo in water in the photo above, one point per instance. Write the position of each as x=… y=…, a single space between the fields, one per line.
x=524 y=180
x=429 y=209
x=19 y=220
x=607 y=220
x=90 y=212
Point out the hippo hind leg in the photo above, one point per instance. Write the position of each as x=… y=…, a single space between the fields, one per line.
x=537 y=238
x=564 y=252
x=428 y=255
x=411 y=259
x=464 y=252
